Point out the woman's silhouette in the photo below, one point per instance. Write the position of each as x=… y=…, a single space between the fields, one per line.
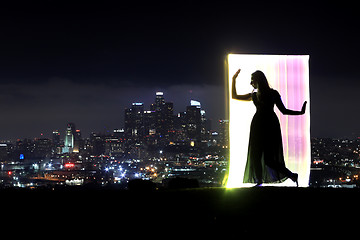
x=265 y=160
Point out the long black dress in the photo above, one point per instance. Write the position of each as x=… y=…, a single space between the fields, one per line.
x=265 y=160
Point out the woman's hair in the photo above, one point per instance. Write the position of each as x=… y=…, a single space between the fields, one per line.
x=261 y=80
x=263 y=85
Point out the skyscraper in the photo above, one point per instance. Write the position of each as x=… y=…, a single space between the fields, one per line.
x=224 y=133
x=159 y=101
x=196 y=127
x=78 y=143
x=56 y=142
x=69 y=138
x=163 y=117
x=193 y=123
x=134 y=121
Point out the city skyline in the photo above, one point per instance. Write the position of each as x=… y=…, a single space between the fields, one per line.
x=83 y=63
x=147 y=100
x=177 y=108
x=156 y=144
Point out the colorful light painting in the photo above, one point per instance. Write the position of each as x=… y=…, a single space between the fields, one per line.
x=289 y=75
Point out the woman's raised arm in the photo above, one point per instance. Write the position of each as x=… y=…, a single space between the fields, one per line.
x=245 y=97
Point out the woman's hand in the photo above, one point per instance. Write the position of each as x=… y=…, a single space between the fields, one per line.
x=303 y=109
x=236 y=74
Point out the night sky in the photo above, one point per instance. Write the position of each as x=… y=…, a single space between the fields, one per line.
x=84 y=63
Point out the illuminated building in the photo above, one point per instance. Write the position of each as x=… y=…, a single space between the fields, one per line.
x=43 y=148
x=195 y=103
x=119 y=132
x=56 y=142
x=3 y=151
x=162 y=119
x=196 y=124
x=69 y=138
x=224 y=133
x=56 y=137
x=78 y=142
x=149 y=124
x=289 y=75
x=25 y=147
x=180 y=126
x=193 y=123
x=168 y=122
x=159 y=101
x=134 y=126
x=157 y=126
x=97 y=144
x=114 y=146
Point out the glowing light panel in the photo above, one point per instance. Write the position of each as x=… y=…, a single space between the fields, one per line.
x=289 y=75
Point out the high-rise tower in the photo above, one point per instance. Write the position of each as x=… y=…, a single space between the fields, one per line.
x=69 y=138
x=159 y=101
x=163 y=119
x=134 y=127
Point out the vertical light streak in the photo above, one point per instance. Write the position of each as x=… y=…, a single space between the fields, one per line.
x=289 y=75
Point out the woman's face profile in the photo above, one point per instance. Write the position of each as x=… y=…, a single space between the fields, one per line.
x=253 y=83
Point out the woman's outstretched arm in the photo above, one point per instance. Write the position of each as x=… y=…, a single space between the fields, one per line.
x=245 y=97
x=286 y=111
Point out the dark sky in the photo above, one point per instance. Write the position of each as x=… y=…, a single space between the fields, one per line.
x=85 y=62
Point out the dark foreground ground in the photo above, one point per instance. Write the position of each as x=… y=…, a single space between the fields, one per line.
x=83 y=213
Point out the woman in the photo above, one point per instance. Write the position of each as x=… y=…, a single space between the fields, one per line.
x=265 y=161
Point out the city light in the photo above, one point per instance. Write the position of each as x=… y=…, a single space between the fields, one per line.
x=137 y=104
x=69 y=165
x=195 y=103
x=166 y=145
x=289 y=75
